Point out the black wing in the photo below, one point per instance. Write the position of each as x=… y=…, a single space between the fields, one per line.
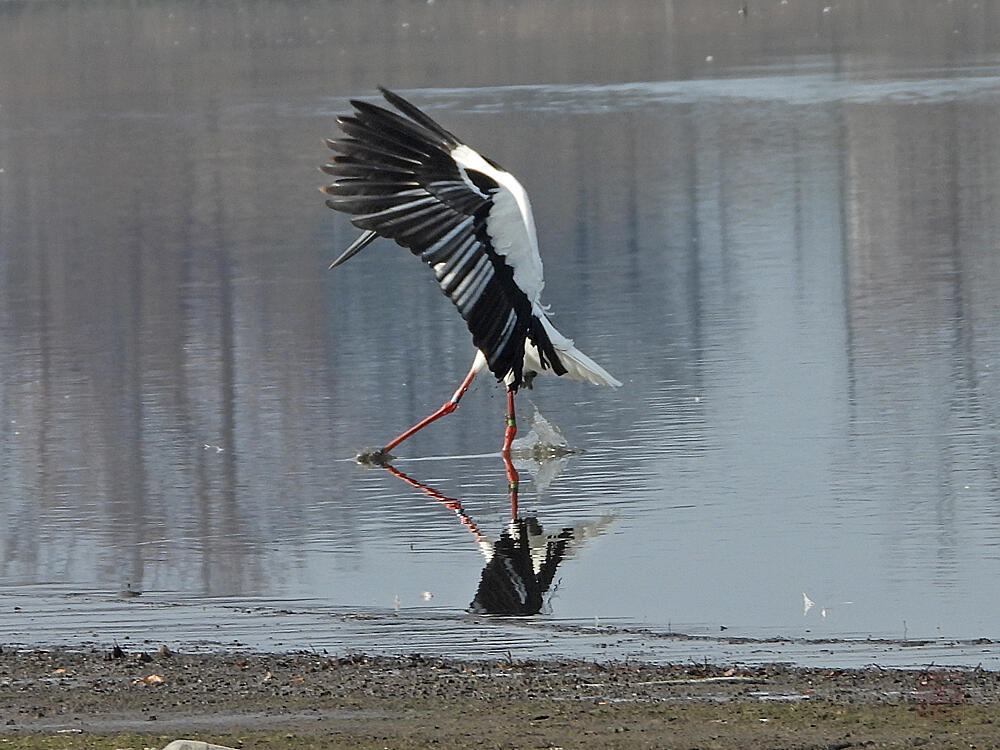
x=396 y=177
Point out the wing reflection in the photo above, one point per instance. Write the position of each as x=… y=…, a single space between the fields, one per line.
x=521 y=564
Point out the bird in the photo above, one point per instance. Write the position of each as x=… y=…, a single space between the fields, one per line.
x=400 y=175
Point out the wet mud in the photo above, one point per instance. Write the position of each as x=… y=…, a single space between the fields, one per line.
x=116 y=699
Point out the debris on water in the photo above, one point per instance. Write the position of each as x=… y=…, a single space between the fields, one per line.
x=808 y=604
x=543 y=441
x=374 y=457
x=128 y=592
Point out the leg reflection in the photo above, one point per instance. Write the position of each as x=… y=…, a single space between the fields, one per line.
x=448 y=502
x=512 y=482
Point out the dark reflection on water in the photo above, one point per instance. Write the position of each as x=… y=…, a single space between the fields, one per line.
x=521 y=565
x=513 y=582
x=779 y=230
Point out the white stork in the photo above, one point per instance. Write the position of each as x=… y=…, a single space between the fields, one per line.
x=401 y=175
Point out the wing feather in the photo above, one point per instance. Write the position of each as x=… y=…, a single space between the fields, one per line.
x=396 y=174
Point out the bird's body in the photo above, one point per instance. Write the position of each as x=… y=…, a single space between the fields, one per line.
x=404 y=177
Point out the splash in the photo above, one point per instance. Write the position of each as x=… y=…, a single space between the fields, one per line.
x=542 y=442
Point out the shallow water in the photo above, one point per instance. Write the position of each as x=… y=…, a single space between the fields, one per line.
x=779 y=231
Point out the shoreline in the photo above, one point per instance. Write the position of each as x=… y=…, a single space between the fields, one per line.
x=93 y=697
x=65 y=617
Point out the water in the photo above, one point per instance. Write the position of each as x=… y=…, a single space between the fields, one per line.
x=786 y=252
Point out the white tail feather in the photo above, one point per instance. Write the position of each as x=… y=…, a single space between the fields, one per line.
x=578 y=365
x=581 y=367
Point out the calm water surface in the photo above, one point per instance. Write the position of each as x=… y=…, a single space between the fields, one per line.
x=779 y=231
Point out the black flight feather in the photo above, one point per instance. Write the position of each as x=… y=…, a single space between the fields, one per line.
x=394 y=174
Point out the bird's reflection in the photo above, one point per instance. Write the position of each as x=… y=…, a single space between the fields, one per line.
x=519 y=569
x=521 y=564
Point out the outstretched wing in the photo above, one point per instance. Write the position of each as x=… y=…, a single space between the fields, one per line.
x=401 y=175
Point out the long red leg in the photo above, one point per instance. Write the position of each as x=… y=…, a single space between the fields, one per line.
x=446 y=408
x=511 y=430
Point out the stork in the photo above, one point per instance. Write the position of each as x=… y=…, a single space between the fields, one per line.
x=400 y=175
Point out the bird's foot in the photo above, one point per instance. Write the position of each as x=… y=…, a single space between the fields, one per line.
x=374 y=457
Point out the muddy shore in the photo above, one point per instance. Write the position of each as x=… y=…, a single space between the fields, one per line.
x=114 y=699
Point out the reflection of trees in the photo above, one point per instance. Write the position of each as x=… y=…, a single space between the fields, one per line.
x=921 y=222
x=169 y=364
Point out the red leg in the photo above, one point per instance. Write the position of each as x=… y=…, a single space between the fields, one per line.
x=511 y=430
x=447 y=408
